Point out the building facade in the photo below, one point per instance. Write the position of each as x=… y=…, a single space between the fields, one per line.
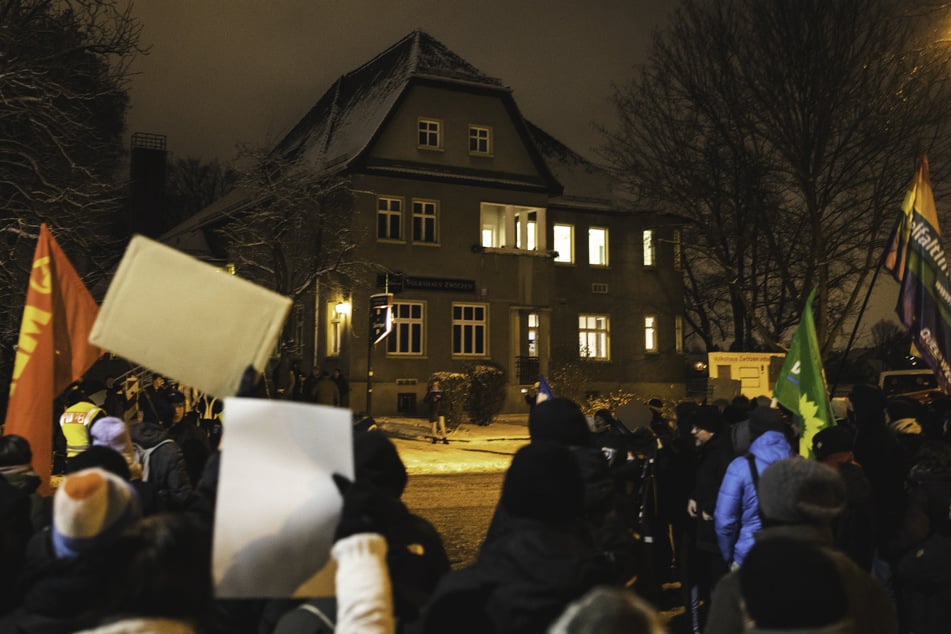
x=489 y=240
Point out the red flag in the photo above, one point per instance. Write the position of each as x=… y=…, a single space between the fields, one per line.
x=53 y=349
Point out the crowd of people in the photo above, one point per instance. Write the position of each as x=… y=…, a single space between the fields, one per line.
x=598 y=518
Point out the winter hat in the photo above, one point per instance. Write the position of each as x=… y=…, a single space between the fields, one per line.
x=790 y=584
x=608 y=610
x=764 y=419
x=558 y=420
x=111 y=432
x=799 y=491
x=543 y=483
x=707 y=418
x=830 y=440
x=90 y=510
x=377 y=462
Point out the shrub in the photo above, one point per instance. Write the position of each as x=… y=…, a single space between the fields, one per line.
x=486 y=391
x=455 y=391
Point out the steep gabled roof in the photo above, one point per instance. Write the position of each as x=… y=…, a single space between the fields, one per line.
x=347 y=117
x=586 y=186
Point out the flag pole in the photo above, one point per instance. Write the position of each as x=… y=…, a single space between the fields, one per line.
x=858 y=319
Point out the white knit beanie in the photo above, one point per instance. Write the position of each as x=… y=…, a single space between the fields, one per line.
x=90 y=510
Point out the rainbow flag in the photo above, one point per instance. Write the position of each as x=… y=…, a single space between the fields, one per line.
x=917 y=260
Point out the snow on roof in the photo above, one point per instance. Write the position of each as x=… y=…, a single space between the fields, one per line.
x=342 y=123
x=585 y=184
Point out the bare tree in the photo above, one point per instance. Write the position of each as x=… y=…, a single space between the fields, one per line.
x=785 y=132
x=63 y=71
x=193 y=185
x=295 y=228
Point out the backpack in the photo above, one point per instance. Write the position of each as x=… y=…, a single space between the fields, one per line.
x=143 y=456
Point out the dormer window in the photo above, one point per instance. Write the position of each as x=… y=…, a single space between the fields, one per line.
x=430 y=134
x=480 y=140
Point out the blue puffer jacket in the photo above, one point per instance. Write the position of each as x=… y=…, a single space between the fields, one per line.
x=736 y=516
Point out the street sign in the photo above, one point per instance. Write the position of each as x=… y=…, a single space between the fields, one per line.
x=381 y=319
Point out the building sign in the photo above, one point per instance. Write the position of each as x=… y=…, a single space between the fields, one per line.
x=442 y=284
x=381 y=320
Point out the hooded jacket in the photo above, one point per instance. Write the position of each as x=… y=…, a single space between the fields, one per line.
x=736 y=516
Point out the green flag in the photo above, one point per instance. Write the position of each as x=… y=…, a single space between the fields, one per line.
x=801 y=387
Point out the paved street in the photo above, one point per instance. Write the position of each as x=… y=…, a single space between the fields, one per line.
x=460 y=506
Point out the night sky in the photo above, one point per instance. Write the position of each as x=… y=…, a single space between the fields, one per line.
x=225 y=72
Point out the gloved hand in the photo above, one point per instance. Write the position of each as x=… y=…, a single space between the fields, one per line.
x=249 y=382
x=366 y=509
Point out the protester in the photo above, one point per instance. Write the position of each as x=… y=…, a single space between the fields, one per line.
x=192 y=440
x=343 y=387
x=855 y=529
x=113 y=432
x=800 y=499
x=608 y=610
x=705 y=565
x=159 y=579
x=163 y=465
x=543 y=560
x=16 y=467
x=437 y=416
x=67 y=565
x=790 y=585
x=323 y=390
x=736 y=516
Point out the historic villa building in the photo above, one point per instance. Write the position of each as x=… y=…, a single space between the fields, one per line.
x=503 y=245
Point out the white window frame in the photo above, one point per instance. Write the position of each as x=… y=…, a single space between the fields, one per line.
x=428 y=134
x=408 y=336
x=568 y=257
x=650 y=333
x=481 y=136
x=594 y=337
x=469 y=330
x=389 y=212
x=650 y=250
x=420 y=218
x=602 y=260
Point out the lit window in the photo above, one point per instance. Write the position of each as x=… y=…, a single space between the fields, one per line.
x=650 y=333
x=679 y=333
x=424 y=220
x=593 y=337
x=389 y=218
x=564 y=242
x=525 y=235
x=648 y=247
x=501 y=223
x=598 y=246
x=407 y=334
x=480 y=139
x=429 y=134
x=533 y=334
x=469 y=329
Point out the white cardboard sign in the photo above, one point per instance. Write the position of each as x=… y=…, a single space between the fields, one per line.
x=277 y=505
x=186 y=319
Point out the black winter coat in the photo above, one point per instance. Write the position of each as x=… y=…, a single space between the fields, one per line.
x=167 y=471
